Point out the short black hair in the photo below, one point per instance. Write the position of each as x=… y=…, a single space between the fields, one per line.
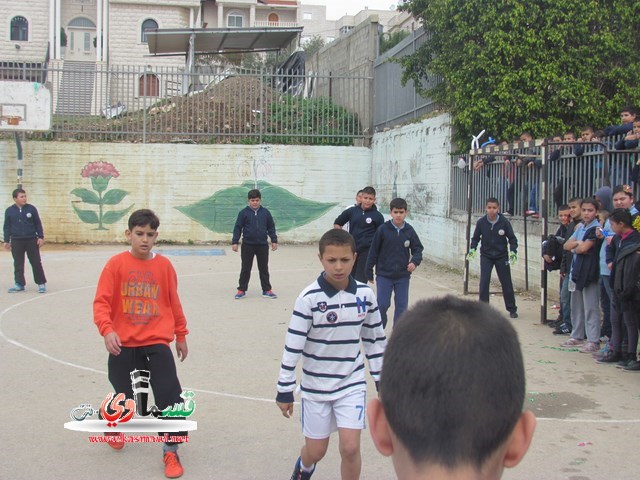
x=254 y=193
x=399 y=203
x=369 y=191
x=575 y=200
x=336 y=236
x=143 y=217
x=629 y=108
x=17 y=191
x=492 y=200
x=622 y=189
x=591 y=201
x=621 y=215
x=453 y=381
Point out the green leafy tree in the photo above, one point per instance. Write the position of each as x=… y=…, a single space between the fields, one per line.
x=390 y=40
x=538 y=65
x=313 y=45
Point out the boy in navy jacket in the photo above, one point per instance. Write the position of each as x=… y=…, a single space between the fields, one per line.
x=255 y=224
x=497 y=237
x=395 y=251
x=363 y=220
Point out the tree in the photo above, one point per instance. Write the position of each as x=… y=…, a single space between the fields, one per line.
x=313 y=45
x=390 y=40
x=538 y=65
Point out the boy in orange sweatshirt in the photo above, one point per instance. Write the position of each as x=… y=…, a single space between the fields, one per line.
x=138 y=312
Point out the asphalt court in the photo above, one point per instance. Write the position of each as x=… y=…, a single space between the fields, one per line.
x=53 y=359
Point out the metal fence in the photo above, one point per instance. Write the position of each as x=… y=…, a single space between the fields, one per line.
x=146 y=104
x=512 y=174
x=393 y=103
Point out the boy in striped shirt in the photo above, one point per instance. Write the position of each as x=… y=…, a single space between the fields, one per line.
x=331 y=317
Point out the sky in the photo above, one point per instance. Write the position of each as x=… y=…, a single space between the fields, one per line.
x=338 y=8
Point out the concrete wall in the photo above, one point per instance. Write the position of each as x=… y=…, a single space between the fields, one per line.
x=202 y=178
x=413 y=162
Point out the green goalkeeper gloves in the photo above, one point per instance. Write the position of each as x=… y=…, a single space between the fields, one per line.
x=513 y=258
x=472 y=254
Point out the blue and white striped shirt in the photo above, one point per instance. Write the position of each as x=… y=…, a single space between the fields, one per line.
x=326 y=328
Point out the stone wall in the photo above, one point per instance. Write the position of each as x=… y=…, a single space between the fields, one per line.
x=196 y=190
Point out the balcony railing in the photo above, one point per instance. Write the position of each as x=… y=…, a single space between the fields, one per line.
x=276 y=24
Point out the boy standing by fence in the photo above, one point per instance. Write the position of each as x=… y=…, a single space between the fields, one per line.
x=496 y=234
x=395 y=252
x=331 y=318
x=255 y=224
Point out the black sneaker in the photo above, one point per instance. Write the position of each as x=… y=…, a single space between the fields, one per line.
x=562 y=329
x=610 y=357
x=513 y=314
x=625 y=359
x=299 y=474
x=554 y=323
x=632 y=366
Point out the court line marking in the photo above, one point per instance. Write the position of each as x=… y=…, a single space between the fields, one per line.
x=211 y=392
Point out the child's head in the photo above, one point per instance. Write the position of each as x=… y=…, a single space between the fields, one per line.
x=622 y=196
x=398 y=209
x=586 y=133
x=444 y=405
x=574 y=207
x=255 y=198
x=569 y=136
x=636 y=126
x=628 y=114
x=20 y=197
x=621 y=220
x=359 y=197
x=337 y=255
x=142 y=232
x=491 y=207
x=526 y=136
x=589 y=209
x=368 y=197
x=564 y=214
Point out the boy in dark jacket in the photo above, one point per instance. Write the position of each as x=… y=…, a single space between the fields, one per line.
x=396 y=251
x=23 y=234
x=363 y=219
x=255 y=224
x=497 y=237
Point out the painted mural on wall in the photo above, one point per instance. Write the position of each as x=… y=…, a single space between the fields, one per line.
x=100 y=174
x=218 y=212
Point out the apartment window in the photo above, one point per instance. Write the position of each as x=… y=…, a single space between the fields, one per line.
x=307 y=16
x=87 y=42
x=147 y=25
x=19 y=29
x=234 y=20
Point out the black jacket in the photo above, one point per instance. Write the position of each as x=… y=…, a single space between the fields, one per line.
x=626 y=274
x=255 y=226
x=392 y=250
x=586 y=266
x=362 y=224
x=495 y=238
x=22 y=223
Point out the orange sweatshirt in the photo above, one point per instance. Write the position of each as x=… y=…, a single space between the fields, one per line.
x=138 y=299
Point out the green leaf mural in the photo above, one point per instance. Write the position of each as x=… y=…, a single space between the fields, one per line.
x=87 y=196
x=218 y=213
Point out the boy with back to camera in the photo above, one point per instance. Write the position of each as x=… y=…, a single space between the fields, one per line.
x=395 y=252
x=497 y=237
x=363 y=220
x=451 y=394
x=255 y=224
x=138 y=312
x=331 y=318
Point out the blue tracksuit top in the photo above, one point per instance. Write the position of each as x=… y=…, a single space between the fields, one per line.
x=254 y=226
x=22 y=223
x=495 y=238
x=392 y=250
x=362 y=224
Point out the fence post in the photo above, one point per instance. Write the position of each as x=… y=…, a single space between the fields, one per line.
x=544 y=187
x=262 y=106
x=144 y=106
x=468 y=232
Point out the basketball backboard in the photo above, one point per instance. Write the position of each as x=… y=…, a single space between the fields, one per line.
x=24 y=106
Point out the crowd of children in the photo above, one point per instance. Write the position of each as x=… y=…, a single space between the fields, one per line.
x=599 y=276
